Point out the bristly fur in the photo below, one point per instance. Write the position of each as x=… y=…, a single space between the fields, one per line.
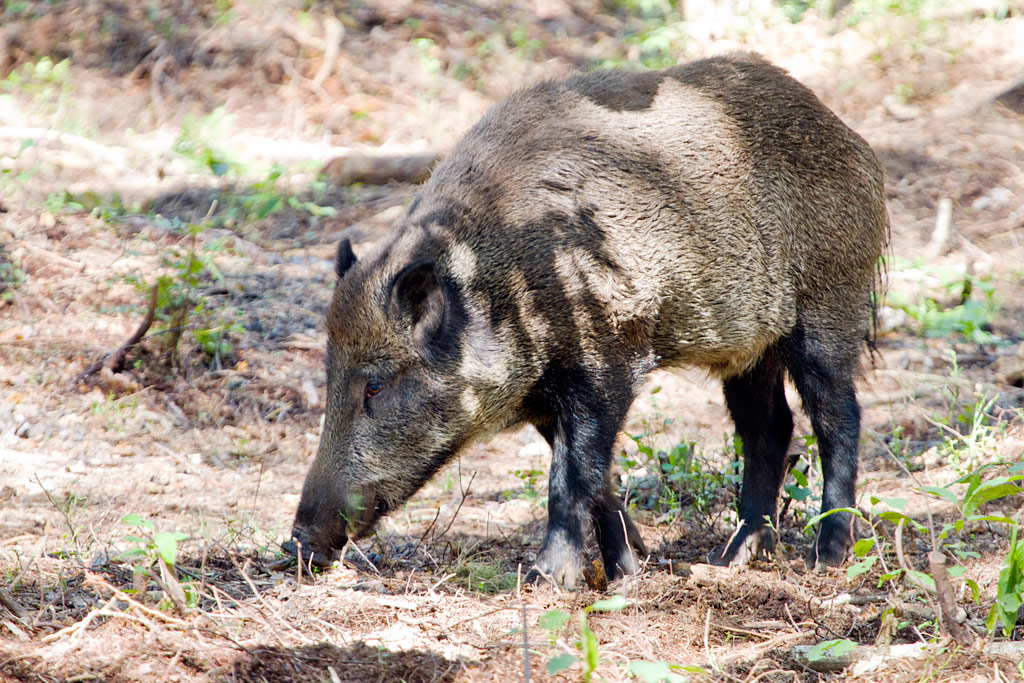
x=584 y=232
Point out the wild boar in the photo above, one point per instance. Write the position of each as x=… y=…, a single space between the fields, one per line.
x=583 y=233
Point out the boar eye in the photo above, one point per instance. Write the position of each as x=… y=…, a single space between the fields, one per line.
x=373 y=388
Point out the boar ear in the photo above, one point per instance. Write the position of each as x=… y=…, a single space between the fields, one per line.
x=346 y=257
x=416 y=293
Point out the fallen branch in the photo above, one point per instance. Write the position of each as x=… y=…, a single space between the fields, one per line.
x=115 y=361
x=44 y=135
x=867 y=658
x=333 y=33
x=49 y=255
x=8 y=601
x=369 y=170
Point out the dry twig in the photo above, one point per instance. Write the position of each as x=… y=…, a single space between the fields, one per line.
x=115 y=361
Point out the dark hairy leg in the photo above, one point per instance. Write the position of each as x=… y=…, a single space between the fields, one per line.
x=582 y=435
x=620 y=541
x=826 y=385
x=757 y=403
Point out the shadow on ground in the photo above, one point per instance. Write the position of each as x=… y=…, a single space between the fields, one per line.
x=356 y=663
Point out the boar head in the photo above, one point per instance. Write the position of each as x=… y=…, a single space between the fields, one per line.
x=393 y=414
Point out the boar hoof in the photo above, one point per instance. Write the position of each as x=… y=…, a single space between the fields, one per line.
x=827 y=552
x=310 y=556
x=744 y=546
x=560 y=567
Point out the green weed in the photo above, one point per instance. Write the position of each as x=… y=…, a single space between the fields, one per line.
x=68 y=508
x=587 y=645
x=11 y=277
x=970 y=430
x=115 y=412
x=266 y=197
x=200 y=142
x=45 y=84
x=680 y=479
x=979 y=488
x=955 y=303
x=180 y=303
x=485 y=577
x=425 y=49
x=159 y=550
x=1010 y=596
x=531 y=478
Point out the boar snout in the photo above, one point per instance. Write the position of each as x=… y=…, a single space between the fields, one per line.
x=308 y=553
x=325 y=519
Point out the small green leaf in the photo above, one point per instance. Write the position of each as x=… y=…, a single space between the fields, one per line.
x=894 y=503
x=956 y=571
x=167 y=545
x=975 y=589
x=861 y=567
x=863 y=546
x=560 y=663
x=553 y=620
x=655 y=672
x=834 y=648
x=817 y=518
x=923 y=579
x=896 y=517
x=989 y=518
x=992 y=492
x=887 y=577
x=589 y=645
x=941 y=492
x=612 y=604
x=135 y=520
x=800 y=476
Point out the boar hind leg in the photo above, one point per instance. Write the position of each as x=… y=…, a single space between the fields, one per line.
x=582 y=435
x=757 y=403
x=617 y=535
x=823 y=374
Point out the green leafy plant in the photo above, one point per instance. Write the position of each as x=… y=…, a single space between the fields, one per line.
x=955 y=304
x=681 y=479
x=425 y=49
x=1010 y=596
x=180 y=303
x=41 y=78
x=15 y=175
x=158 y=549
x=531 y=479
x=11 y=277
x=660 y=46
x=485 y=577
x=586 y=643
x=587 y=646
x=200 y=142
x=979 y=488
x=266 y=197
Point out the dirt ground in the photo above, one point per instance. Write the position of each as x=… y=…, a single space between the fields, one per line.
x=184 y=140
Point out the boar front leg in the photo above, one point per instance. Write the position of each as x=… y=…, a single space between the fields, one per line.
x=582 y=435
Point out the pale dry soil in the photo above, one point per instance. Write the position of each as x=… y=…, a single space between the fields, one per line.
x=217 y=448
